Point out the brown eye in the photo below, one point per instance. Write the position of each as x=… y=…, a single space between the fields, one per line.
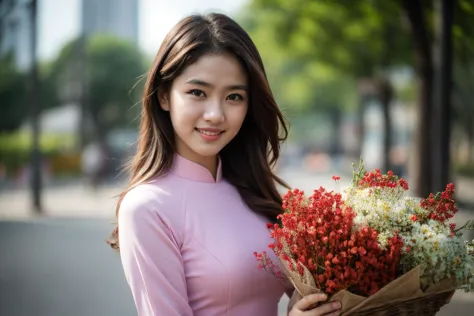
x=235 y=97
x=197 y=93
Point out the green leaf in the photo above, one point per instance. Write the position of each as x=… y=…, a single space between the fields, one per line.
x=359 y=174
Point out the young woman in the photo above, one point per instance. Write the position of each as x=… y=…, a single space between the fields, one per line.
x=202 y=187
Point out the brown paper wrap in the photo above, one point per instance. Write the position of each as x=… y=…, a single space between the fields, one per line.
x=404 y=288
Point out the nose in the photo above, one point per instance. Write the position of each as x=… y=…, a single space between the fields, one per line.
x=214 y=112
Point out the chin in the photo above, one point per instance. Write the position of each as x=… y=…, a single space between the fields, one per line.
x=208 y=152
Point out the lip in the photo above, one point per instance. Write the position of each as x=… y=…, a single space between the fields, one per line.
x=209 y=137
x=208 y=129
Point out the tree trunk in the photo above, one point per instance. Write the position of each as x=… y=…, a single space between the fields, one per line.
x=441 y=105
x=423 y=61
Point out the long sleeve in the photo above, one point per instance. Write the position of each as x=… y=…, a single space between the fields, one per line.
x=151 y=257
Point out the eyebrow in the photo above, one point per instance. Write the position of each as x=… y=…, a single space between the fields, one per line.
x=207 y=84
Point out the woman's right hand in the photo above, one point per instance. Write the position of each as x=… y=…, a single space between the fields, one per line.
x=304 y=307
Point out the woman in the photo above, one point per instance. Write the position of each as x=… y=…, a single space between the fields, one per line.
x=202 y=187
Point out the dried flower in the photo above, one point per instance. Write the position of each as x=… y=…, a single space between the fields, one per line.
x=369 y=235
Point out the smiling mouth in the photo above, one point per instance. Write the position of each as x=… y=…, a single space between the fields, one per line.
x=209 y=133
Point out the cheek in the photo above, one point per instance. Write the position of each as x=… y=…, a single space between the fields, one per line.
x=237 y=116
x=184 y=113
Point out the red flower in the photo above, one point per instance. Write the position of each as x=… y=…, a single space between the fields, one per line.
x=452 y=227
x=442 y=205
x=318 y=232
x=377 y=179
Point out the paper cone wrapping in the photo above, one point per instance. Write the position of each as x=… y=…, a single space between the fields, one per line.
x=404 y=288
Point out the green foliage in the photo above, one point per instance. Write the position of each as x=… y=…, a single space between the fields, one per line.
x=358 y=172
x=111 y=69
x=300 y=84
x=13 y=91
x=311 y=129
x=356 y=37
x=114 y=67
x=463 y=70
x=316 y=50
x=15 y=148
x=463 y=31
x=47 y=87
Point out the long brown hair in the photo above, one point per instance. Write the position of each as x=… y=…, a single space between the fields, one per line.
x=248 y=159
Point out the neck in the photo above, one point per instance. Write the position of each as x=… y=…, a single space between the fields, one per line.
x=210 y=163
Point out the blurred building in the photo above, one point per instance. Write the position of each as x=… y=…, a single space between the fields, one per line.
x=15 y=30
x=114 y=17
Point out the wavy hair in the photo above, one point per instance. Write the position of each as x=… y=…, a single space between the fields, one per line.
x=248 y=159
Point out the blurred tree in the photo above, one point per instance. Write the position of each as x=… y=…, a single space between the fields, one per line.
x=449 y=29
x=111 y=68
x=301 y=87
x=417 y=13
x=463 y=31
x=463 y=94
x=463 y=103
x=361 y=39
x=12 y=95
x=365 y=39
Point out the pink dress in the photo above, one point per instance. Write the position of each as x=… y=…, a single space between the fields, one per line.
x=187 y=244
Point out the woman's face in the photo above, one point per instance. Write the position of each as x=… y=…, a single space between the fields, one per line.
x=207 y=104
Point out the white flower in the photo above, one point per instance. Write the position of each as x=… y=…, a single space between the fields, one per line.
x=428 y=243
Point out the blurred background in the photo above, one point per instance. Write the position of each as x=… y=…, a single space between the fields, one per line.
x=389 y=81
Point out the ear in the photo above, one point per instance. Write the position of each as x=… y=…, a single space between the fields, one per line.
x=163 y=99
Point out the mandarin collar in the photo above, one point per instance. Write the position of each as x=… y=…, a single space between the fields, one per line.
x=190 y=170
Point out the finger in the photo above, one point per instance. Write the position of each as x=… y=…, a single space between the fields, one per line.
x=336 y=313
x=332 y=308
x=309 y=300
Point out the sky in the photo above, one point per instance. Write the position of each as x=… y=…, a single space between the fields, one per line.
x=59 y=20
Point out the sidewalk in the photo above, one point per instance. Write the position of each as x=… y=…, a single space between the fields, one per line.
x=67 y=201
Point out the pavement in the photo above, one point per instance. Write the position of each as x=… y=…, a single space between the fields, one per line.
x=74 y=200
x=58 y=263
x=60 y=267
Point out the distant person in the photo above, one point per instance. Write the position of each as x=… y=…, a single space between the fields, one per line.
x=92 y=163
x=202 y=187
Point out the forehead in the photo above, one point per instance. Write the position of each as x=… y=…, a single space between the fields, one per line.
x=216 y=69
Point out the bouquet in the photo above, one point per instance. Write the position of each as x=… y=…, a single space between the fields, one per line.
x=371 y=247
